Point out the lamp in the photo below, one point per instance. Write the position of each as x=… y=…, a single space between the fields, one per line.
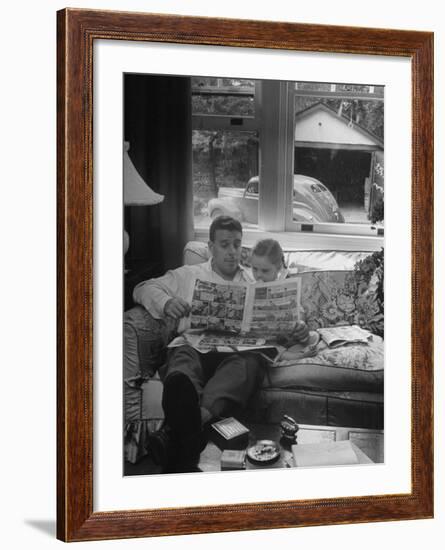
x=136 y=191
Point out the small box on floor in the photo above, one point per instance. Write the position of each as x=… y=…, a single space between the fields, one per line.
x=233 y=460
x=229 y=433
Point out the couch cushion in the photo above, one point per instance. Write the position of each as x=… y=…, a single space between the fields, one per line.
x=357 y=367
x=316 y=376
x=301 y=261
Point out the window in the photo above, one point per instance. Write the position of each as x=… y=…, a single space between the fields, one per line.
x=224 y=162
x=338 y=137
x=289 y=156
x=222 y=96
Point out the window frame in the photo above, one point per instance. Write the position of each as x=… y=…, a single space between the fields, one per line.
x=275 y=127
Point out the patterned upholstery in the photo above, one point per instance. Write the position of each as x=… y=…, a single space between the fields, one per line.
x=144 y=352
x=333 y=298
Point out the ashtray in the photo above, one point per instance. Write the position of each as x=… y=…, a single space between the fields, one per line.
x=264 y=451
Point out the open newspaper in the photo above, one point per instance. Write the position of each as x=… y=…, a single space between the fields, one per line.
x=238 y=316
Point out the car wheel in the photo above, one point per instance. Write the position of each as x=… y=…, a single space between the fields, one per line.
x=215 y=213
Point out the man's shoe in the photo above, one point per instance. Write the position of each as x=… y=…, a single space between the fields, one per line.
x=180 y=402
x=190 y=451
x=162 y=447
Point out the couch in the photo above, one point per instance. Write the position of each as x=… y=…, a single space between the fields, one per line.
x=337 y=387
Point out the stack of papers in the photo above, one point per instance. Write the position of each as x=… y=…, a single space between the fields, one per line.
x=333 y=453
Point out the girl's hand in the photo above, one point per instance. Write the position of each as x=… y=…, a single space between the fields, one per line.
x=300 y=334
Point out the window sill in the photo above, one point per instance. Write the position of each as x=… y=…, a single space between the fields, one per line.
x=306 y=241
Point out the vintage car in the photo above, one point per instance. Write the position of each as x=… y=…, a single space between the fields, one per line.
x=313 y=202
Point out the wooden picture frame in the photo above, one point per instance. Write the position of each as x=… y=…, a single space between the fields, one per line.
x=77 y=31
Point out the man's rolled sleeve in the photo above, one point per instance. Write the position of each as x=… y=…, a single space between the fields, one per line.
x=153 y=296
x=155 y=293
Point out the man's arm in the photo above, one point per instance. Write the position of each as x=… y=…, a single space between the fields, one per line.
x=166 y=295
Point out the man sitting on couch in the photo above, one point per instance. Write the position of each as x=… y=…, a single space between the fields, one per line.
x=198 y=387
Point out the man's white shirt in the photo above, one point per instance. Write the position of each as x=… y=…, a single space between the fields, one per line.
x=179 y=283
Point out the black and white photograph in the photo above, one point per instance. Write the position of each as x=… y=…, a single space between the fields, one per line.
x=241 y=182
x=128 y=129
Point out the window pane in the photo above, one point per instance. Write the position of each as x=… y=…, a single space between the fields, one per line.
x=313 y=86
x=223 y=96
x=223 y=164
x=230 y=105
x=365 y=89
x=339 y=143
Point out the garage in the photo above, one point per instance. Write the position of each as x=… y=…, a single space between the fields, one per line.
x=340 y=153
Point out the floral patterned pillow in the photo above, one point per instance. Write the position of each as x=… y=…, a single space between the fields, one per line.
x=334 y=298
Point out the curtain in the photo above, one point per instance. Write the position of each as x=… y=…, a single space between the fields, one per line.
x=157 y=122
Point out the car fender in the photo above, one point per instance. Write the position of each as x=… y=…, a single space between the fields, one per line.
x=226 y=205
x=301 y=213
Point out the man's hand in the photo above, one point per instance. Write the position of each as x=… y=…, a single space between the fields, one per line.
x=176 y=308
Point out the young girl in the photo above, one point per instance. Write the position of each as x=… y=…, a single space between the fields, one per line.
x=268 y=264
x=267 y=261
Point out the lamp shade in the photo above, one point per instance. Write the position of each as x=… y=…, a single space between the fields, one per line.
x=136 y=191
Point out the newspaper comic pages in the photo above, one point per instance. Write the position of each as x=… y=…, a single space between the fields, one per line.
x=218 y=341
x=237 y=316
x=272 y=308
x=219 y=307
x=261 y=309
